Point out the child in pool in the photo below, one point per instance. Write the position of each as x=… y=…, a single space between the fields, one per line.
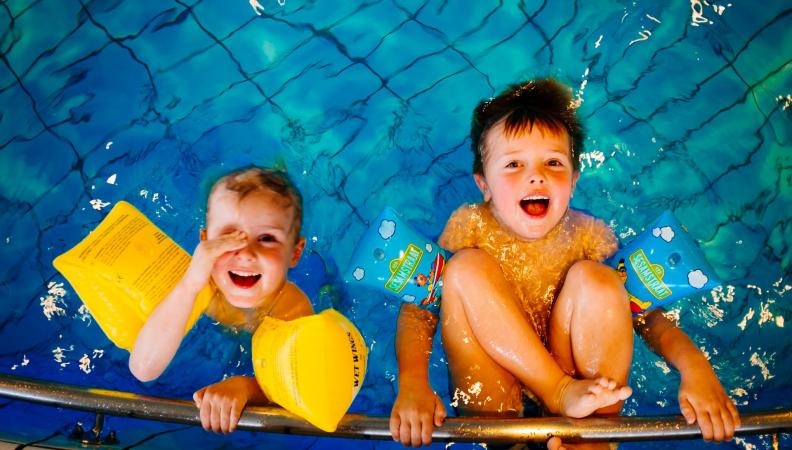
x=527 y=305
x=252 y=238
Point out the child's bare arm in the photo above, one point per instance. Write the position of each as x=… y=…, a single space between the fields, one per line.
x=222 y=403
x=701 y=396
x=293 y=305
x=417 y=408
x=160 y=336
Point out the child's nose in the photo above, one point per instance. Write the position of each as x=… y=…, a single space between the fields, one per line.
x=245 y=252
x=536 y=178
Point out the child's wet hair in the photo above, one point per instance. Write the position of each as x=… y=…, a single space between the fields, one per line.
x=544 y=102
x=249 y=179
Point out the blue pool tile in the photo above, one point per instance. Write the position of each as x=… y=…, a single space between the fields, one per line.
x=409 y=82
x=125 y=20
x=445 y=16
x=224 y=18
x=498 y=27
x=506 y=64
x=347 y=84
x=27 y=47
x=398 y=48
x=314 y=14
x=178 y=38
x=363 y=31
x=263 y=44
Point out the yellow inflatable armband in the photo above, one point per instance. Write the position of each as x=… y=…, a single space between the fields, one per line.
x=123 y=269
x=312 y=366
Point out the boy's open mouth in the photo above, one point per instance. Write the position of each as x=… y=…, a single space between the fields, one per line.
x=535 y=205
x=243 y=279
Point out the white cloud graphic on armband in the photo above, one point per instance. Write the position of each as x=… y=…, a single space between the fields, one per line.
x=666 y=233
x=387 y=229
x=697 y=278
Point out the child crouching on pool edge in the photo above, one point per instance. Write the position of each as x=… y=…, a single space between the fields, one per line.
x=528 y=307
x=252 y=238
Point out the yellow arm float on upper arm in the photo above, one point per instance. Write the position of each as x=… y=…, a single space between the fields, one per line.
x=123 y=269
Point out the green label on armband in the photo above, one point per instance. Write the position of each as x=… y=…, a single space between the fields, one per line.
x=403 y=268
x=651 y=275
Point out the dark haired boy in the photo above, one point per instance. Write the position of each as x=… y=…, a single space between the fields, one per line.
x=528 y=307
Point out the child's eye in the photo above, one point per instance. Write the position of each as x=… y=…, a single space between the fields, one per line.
x=512 y=165
x=267 y=238
x=555 y=163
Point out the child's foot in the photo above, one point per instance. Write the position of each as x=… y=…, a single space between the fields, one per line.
x=554 y=443
x=580 y=398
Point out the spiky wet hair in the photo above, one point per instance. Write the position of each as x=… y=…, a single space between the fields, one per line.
x=543 y=102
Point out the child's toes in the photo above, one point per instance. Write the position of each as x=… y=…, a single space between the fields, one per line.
x=595 y=389
x=604 y=383
x=624 y=392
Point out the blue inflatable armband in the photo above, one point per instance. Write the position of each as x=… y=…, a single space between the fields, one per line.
x=661 y=265
x=394 y=258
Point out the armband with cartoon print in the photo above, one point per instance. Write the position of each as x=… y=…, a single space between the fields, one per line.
x=661 y=265
x=399 y=261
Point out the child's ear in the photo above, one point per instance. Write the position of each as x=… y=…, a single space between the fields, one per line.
x=203 y=234
x=481 y=182
x=575 y=177
x=298 y=250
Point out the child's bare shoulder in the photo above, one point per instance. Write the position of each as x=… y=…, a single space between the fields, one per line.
x=463 y=226
x=292 y=304
x=596 y=237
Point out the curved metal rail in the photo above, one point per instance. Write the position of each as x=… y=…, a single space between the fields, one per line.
x=458 y=429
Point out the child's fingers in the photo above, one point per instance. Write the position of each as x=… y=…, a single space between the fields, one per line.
x=227 y=243
x=718 y=427
x=394 y=426
x=233 y=417
x=440 y=413
x=225 y=417
x=404 y=433
x=728 y=424
x=426 y=430
x=687 y=410
x=416 y=433
x=206 y=416
x=705 y=424
x=214 y=419
x=734 y=413
x=198 y=397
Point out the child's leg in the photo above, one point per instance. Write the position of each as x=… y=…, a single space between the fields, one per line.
x=591 y=326
x=591 y=330
x=488 y=338
x=481 y=386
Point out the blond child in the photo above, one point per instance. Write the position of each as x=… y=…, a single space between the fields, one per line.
x=528 y=307
x=252 y=238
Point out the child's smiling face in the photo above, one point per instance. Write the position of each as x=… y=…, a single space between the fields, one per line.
x=256 y=273
x=528 y=178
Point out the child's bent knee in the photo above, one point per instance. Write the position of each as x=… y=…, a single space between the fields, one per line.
x=599 y=279
x=466 y=265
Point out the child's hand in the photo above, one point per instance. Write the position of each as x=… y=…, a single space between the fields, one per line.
x=415 y=414
x=703 y=400
x=222 y=403
x=205 y=255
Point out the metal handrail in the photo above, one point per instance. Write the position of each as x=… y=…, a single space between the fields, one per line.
x=458 y=429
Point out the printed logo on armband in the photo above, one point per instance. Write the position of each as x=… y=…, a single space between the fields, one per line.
x=651 y=275
x=402 y=268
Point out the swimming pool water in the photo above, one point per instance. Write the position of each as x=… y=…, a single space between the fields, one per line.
x=688 y=106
